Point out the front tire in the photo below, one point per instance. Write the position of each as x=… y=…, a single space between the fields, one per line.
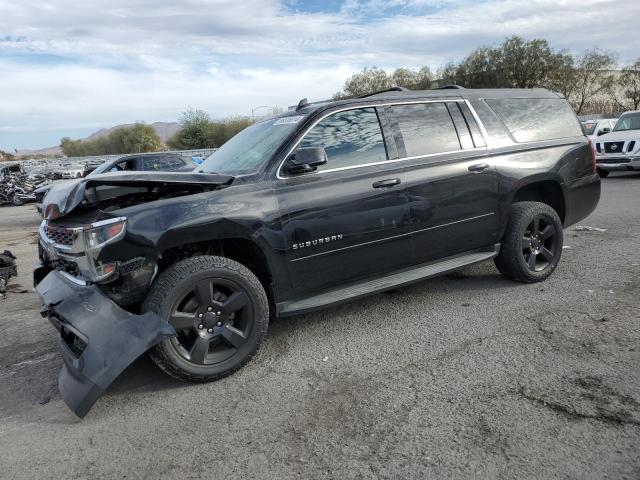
x=220 y=312
x=603 y=173
x=532 y=243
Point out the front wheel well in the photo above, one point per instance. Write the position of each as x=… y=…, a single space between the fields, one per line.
x=547 y=191
x=241 y=250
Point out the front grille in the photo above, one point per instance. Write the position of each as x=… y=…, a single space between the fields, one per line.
x=613 y=147
x=61 y=236
x=598 y=148
x=631 y=146
x=613 y=160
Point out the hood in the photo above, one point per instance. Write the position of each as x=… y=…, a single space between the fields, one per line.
x=65 y=197
x=620 y=136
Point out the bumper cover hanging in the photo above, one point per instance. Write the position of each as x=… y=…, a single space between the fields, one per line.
x=98 y=339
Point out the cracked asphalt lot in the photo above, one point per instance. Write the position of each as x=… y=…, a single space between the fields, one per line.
x=465 y=376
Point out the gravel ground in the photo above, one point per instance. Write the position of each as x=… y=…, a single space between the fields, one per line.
x=468 y=375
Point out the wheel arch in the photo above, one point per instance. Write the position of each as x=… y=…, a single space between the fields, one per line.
x=544 y=190
x=241 y=249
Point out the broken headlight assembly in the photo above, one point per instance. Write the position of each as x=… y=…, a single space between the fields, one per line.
x=96 y=236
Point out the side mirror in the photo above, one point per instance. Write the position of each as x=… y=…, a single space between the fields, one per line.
x=604 y=130
x=305 y=160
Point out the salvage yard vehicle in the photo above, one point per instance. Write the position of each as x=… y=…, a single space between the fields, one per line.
x=620 y=149
x=73 y=171
x=322 y=204
x=16 y=187
x=169 y=162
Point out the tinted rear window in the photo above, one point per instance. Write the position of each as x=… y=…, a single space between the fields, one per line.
x=534 y=119
x=426 y=128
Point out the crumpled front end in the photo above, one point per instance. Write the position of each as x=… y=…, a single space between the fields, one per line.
x=98 y=339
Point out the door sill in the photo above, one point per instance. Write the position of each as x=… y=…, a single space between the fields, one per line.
x=393 y=280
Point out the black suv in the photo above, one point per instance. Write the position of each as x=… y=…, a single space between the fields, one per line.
x=325 y=203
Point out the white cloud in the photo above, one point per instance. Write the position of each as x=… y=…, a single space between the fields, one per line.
x=79 y=64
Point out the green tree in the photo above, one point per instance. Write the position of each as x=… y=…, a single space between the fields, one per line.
x=199 y=131
x=367 y=81
x=138 y=138
x=412 y=79
x=516 y=63
x=194 y=133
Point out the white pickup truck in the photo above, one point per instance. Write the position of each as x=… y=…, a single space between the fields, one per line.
x=620 y=149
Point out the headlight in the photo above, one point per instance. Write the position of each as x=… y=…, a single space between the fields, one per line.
x=98 y=234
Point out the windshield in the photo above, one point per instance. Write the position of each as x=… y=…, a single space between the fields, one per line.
x=249 y=149
x=101 y=169
x=588 y=128
x=628 y=122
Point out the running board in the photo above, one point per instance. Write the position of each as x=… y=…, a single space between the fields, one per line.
x=394 y=280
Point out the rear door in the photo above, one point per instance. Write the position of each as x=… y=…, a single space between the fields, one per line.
x=349 y=220
x=452 y=184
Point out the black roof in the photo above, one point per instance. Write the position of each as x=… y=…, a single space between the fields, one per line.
x=443 y=93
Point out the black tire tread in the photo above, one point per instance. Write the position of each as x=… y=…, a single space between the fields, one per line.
x=508 y=260
x=181 y=271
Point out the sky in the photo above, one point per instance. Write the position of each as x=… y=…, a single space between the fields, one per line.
x=68 y=68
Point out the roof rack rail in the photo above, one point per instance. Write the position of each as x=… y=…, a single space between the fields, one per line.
x=302 y=103
x=392 y=89
x=453 y=86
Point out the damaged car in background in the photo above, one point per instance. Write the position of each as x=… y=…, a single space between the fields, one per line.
x=319 y=205
x=148 y=162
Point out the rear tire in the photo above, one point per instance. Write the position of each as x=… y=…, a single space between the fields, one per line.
x=603 y=173
x=532 y=243
x=220 y=312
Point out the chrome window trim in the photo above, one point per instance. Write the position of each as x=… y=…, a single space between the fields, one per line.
x=483 y=132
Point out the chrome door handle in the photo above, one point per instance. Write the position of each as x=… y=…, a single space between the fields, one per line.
x=388 y=183
x=478 y=167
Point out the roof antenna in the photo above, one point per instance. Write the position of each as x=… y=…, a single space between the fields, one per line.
x=302 y=103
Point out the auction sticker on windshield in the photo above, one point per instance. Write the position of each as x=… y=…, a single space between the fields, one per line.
x=288 y=120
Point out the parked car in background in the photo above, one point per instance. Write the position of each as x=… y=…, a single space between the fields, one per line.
x=595 y=128
x=319 y=205
x=620 y=149
x=151 y=162
x=74 y=171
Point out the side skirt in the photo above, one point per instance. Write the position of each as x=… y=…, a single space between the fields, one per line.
x=404 y=277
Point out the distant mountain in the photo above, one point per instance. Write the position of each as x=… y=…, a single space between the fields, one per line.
x=164 y=130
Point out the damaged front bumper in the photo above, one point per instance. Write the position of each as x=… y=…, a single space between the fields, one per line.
x=98 y=339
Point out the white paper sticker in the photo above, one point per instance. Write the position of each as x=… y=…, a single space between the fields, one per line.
x=288 y=120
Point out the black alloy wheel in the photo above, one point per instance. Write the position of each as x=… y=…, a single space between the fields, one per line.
x=220 y=312
x=531 y=246
x=212 y=320
x=539 y=244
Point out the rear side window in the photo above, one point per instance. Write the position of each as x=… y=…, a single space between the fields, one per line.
x=534 y=119
x=162 y=163
x=426 y=128
x=350 y=138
